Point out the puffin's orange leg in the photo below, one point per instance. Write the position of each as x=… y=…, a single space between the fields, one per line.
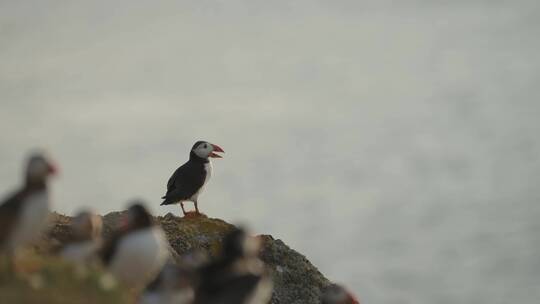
x=183 y=210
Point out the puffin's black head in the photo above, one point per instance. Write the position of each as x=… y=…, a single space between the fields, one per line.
x=204 y=150
x=138 y=217
x=38 y=169
x=238 y=244
x=336 y=294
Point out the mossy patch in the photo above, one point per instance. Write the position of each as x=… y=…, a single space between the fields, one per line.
x=40 y=279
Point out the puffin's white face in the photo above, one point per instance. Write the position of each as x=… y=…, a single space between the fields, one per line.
x=39 y=168
x=252 y=245
x=87 y=224
x=205 y=149
x=336 y=294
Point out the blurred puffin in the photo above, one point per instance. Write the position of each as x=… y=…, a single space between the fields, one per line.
x=137 y=251
x=337 y=294
x=83 y=247
x=188 y=181
x=237 y=276
x=173 y=285
x=24 y=214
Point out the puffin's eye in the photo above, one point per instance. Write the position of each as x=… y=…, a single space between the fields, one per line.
x=205 y=146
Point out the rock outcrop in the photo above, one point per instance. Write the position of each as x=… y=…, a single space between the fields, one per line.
x=296 y=280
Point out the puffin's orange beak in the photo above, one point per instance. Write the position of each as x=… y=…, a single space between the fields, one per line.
x=216 y=148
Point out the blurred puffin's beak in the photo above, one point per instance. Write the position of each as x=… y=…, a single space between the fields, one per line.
x=353 y=300
x=52 y=168
x=216 y=148
x=124 y=223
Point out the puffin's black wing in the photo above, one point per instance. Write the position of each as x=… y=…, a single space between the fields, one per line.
x=229 y=290
x=108 y=249
x=9 y=211
x=184 y=182
x=240 y=288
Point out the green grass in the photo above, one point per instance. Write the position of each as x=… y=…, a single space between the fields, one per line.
x=41 y=279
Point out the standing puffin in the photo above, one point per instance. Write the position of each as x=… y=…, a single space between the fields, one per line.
x=188 y=181
x=23 y=215
x=137 y=251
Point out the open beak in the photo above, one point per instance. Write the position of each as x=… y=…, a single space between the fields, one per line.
x=216 y=148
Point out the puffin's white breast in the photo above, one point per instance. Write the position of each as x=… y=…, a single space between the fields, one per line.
x=262 y=292
x=32 y=220
x=81 y=252
x=208 y=168
x=140 y=256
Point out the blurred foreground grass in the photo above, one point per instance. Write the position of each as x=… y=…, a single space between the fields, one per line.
x=47 y=280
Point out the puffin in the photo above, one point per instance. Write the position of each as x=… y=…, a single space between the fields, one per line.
x=237 y=276
x=24 y=214
x=337 y=294
x=174 y=285
x=189 y=180
x=137 y=250
x=86 y=239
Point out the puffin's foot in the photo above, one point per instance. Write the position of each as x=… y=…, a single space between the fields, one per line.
x=194 y=214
